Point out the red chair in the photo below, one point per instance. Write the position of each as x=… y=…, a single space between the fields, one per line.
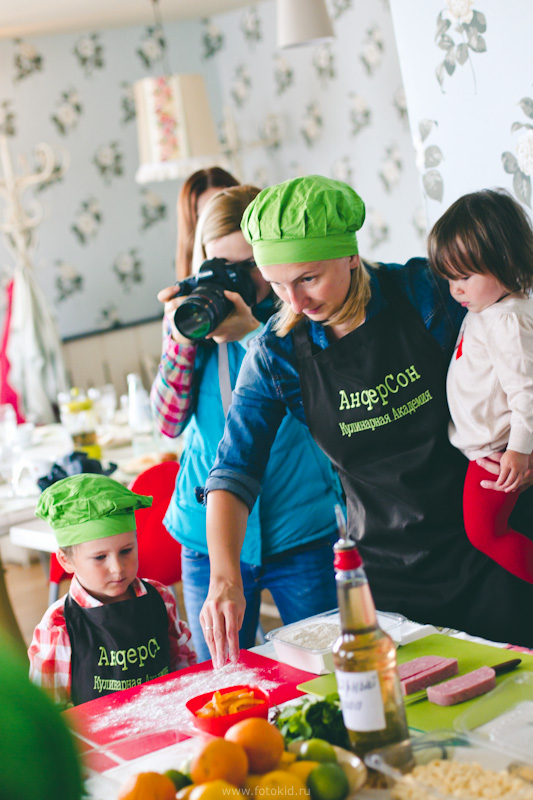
x=159 y=552
x=57 y=573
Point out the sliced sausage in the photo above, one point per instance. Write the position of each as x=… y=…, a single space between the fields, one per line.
x=446 y=668
x=463 y=688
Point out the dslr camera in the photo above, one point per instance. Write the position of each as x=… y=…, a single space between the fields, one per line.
x=206 y=305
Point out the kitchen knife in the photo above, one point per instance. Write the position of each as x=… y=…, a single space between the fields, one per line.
x=499 y=669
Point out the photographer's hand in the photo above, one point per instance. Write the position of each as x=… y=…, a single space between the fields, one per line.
x=171 y=302
x=237 y=324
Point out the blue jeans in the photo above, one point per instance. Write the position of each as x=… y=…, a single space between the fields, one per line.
x=302 y=584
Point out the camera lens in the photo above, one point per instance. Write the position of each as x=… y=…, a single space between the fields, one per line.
x=199 y=315
x=206 y=306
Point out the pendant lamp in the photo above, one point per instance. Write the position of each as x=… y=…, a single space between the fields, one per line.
x=175 y=128
x=176 y=131
x=302 y=22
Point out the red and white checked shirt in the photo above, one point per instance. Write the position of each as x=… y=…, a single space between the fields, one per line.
x=50 y=650
x=171 y=389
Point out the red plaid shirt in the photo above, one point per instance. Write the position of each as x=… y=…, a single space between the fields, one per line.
x=50 y=649
x=171 y=389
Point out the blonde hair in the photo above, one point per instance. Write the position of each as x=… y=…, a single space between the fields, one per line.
x=353 y=310
x=221 y=216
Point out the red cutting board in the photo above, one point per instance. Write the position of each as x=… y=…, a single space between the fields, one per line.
x=150 y=715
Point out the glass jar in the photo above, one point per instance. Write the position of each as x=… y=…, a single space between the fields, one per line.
x=79 y=418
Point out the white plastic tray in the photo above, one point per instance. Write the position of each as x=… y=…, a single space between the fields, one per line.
x=323 y=629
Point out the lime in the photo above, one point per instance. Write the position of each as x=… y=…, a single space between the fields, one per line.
x=328 y=782
x=317 y=750
x=179 y=779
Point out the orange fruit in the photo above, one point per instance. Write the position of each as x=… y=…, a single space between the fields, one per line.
x=184 y=793
x=262 y=742
x=287 y=758
x=251 y=785
x=214 y=790
x=279 y=783
x=220 y=759
x=147 y=786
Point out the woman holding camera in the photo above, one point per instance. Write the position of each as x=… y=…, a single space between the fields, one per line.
x=291 y=529
x=359 y=354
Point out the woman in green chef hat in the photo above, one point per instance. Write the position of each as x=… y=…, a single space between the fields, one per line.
x=359 y=353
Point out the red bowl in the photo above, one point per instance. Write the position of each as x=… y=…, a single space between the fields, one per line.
x=217 y=726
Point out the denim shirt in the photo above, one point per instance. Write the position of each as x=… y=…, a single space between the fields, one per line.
x=268 y=385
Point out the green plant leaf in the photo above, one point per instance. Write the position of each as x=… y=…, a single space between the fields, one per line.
x=522 y=187
x=510 y=164
x=526 y=104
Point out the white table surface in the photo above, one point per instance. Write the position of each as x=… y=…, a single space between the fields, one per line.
x=105 y=786
x=35 y=534
x=49 y=444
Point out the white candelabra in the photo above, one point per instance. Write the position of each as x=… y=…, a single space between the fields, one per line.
x=19 y=222
x=36 y=372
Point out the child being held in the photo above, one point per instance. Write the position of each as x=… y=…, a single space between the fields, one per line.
x=112 y=630
x=483 y=246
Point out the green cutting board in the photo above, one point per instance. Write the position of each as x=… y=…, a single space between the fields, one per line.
x=423 y=715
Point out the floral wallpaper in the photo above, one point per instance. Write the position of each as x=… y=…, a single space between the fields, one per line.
x=336 y=108
x=106 y=245
x=468 y=77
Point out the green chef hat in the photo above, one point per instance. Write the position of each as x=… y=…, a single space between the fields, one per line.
x=86 y=507
x=304 y=219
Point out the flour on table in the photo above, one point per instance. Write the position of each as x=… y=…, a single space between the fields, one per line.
x=315 y=636
x=161 y=706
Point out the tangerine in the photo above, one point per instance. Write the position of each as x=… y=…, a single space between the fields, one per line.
x=262 y=742
x=185 y=793
x=287 y=758
x=280 y=783
x=251 y=785
x=302 y=768
x=220 y=759
x=148 y=786
x=214 y=790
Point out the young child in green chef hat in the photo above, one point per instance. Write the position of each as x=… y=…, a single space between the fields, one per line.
x=112 y=630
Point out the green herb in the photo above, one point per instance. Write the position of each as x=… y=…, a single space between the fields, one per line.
x=314 y=719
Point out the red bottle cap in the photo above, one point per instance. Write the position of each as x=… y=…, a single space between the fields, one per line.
x=347 y=559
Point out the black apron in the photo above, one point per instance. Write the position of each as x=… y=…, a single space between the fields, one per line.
x=117 y=645
x=375 y=402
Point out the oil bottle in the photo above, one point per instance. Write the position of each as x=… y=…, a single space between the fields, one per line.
x=365 y=660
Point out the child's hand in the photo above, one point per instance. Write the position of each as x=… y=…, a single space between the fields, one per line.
x=513 y=468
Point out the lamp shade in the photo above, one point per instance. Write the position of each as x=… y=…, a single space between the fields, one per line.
x=302 y=22
x=175 y=129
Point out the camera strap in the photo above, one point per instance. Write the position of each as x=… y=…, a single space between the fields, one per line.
x=224 y=377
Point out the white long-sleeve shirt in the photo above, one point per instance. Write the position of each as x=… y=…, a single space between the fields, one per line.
x=490 y=380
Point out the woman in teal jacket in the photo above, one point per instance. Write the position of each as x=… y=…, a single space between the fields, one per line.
x=291 y=529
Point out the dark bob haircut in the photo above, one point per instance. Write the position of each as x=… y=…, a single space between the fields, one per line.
x=484 y=232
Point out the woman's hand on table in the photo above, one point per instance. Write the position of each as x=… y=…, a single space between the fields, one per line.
x=492 y=464
x=221 y=619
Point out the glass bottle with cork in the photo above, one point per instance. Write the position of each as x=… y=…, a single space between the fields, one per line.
x=365 y=658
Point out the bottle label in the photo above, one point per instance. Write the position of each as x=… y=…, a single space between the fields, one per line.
x=361 y=701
